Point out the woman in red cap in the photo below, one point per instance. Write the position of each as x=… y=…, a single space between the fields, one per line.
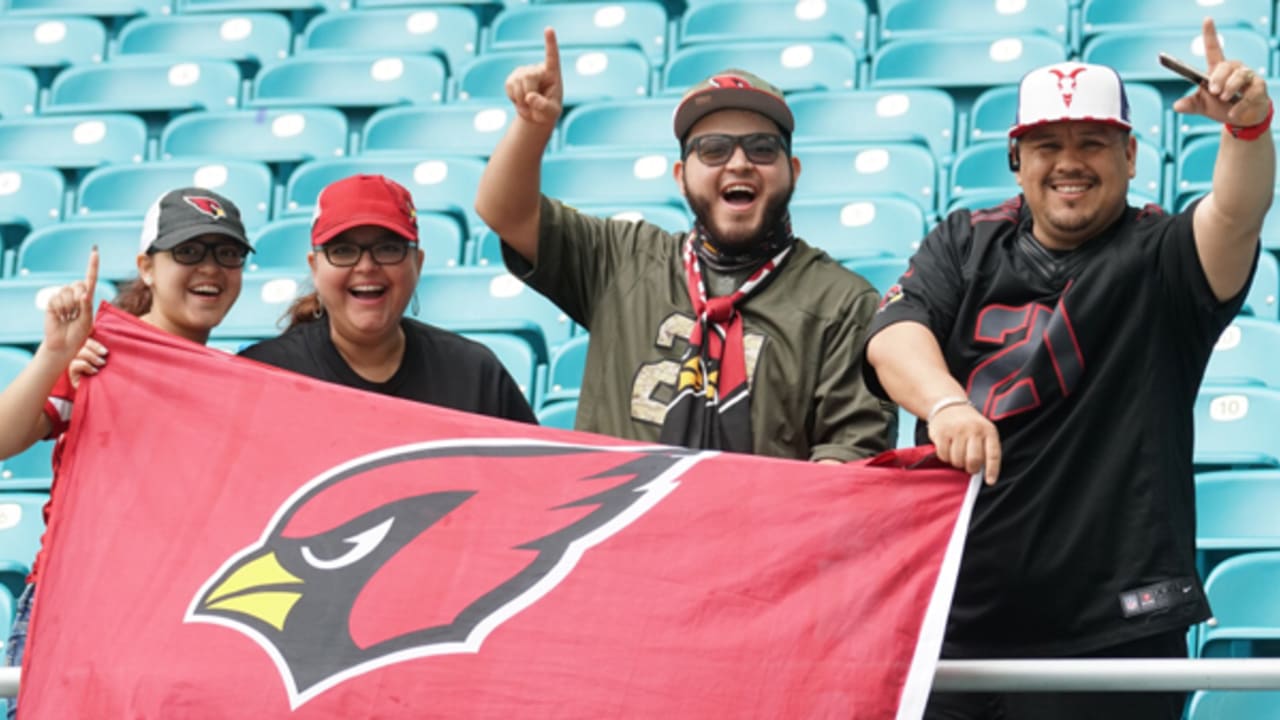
x=365 y=264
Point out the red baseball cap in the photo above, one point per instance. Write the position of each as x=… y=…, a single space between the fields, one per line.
x=364 y=200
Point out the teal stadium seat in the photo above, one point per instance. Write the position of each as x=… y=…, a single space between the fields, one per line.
x=1235 y=426
x=641 y=25
x=51 y=42
x=281 y=247
x=472 y=299
x=61 y=250
x=219 y=6
x=252 y=39
x=30 y=196
x=939 y=18
x=590 y=74
x=860 y=227
x=731 y=21
x=1262 y=296
x=969 y=61
x=612 y=177
x=23 y=300
x=1133 y=52
x=488 y=247
x=438 y=183
x=882 y=273
x=91 y=8
x=19 y=91
x=1236 y=704
x=259 y=311
x=1242 y=594
x=350 y=80
x=985 y=166
x=7 y=603
x=127 y=191
x=1246 y=354
x=564 y=373
x=1194 y=169
x=145 y=84
x=31 y=469
x=516 y=357
x=21 y=525
x=792 y=66
x=74 y=142
x=558 y=415
x=272 y=136
x=918 y=115
x=1099 y=16
x=993 y=113
x=467 y=128
x=1271 y=227
x=1235 y=514
x=451 y=33
x=839 y=171
x=643 y=124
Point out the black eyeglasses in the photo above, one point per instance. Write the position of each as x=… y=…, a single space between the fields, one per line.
x=715 y=150
x=347 y=254
x=229 y=255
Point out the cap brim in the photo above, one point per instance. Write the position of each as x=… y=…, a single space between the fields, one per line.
x=1019 y=130
x=704 y=103
x=177 y=237
x=357 y=221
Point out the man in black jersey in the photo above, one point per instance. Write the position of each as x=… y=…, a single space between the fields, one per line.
x=1057 y=343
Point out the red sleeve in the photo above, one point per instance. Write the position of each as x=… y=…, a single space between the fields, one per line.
x=57 y=407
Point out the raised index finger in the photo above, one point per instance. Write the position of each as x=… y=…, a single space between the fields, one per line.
x=1212 y=48
x=91 y=272
x=553 y=51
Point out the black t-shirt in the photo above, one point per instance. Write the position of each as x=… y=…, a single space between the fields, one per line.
x=1089 y=363
x=439 y=367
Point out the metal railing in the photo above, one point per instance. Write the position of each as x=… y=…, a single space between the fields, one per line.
x=1057 y=675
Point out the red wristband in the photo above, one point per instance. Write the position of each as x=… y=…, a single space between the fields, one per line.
x=1253 y=132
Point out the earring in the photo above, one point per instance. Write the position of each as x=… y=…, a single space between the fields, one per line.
x=414 y=308
x=318 y=312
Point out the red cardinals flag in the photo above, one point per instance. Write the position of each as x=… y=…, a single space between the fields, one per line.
x=236 y=541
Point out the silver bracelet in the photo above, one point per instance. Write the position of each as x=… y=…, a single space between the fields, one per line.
x=944 y=403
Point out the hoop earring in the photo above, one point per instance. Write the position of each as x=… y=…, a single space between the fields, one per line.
x=318 y=312
x=414 y=308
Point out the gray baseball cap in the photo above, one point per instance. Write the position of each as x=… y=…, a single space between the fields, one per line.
x=190 y=212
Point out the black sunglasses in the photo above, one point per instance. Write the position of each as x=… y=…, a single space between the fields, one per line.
x=348 y=254
x=229 y=255
x=716 y=149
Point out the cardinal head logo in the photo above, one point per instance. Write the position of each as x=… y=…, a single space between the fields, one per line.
x=425 y=550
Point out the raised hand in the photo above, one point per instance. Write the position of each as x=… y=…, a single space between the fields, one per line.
x=68 y=318
x=537 y=91
x=1226 y=78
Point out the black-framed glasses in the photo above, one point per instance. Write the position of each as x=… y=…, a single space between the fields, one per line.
x=716 y=149
x=347 y=254
x=229 y=255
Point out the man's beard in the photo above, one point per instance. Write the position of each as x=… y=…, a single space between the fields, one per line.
x=775 y=211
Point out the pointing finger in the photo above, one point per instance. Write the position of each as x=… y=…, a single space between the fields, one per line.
x=553 y=52
x=1212 y=48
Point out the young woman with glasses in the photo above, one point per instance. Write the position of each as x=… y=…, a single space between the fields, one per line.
x=365 y=262
x=190 y=262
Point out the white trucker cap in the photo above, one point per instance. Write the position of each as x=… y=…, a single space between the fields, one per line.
x=1070 y=91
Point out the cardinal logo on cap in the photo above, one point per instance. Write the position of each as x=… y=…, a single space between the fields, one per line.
x=206 y=205
x=1067 y=83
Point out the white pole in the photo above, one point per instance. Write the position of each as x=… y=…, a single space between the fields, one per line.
x=1107 y=675
x=1057 y=675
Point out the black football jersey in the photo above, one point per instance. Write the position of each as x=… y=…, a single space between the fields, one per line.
x=1088 y=362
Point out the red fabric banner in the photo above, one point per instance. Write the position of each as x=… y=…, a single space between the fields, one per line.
x=235 y=541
